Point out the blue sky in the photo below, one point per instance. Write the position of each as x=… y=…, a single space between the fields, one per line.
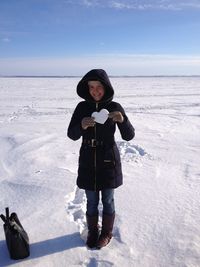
x=130 y=37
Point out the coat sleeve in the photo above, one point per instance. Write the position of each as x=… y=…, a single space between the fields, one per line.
x=126 y=129
x=75 y=130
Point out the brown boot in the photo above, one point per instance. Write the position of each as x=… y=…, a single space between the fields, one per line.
x=93 y=231
x=106 y=233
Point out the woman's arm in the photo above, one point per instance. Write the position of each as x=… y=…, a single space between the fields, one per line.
x=126 y=129
x=74 y=131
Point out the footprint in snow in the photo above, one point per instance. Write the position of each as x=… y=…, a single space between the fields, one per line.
x=76 y=209
x=130 y=152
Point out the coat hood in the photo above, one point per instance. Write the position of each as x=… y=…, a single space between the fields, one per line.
x=95 y=75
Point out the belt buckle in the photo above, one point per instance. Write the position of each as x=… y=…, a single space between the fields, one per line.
x=93 y=143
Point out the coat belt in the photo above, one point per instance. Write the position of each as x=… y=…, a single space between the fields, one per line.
x=95 y=143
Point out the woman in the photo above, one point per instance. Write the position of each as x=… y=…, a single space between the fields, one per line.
x=99 y=167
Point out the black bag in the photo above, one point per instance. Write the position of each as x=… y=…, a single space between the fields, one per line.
x=16 y=237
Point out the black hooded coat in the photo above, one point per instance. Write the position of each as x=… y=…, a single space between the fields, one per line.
x=99 y=159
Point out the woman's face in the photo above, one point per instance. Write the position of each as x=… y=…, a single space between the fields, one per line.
x=96 y=90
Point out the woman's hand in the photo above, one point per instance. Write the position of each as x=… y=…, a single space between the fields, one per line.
x=87 y=122
x=116 y=116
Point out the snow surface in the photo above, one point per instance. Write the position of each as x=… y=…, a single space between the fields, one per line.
x=158 y=207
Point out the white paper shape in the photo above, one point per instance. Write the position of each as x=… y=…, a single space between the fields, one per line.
x=100 y=116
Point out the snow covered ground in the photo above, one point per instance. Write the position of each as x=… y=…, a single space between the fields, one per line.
x=158 y=207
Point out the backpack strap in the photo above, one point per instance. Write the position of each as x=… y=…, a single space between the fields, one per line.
x=7 y=214
x=3 y=218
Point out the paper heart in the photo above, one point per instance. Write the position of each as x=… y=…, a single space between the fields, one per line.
x=100 y=116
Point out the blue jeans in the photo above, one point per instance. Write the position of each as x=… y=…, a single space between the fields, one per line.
x=107 y=197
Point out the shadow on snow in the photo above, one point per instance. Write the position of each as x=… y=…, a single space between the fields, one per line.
x=43 y=248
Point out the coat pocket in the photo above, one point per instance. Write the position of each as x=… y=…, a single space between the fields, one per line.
x=109 y=159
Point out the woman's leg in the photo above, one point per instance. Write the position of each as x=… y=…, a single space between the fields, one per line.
x=107 y=218
x=92 y=202
x=92 y=217
x=108 y=201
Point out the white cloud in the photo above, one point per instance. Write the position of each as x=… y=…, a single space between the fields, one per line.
x=6 y=40
x=115 y=64
x=91 y=3
x=142 y=4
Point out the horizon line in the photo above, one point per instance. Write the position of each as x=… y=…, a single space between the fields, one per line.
x=111 y=76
